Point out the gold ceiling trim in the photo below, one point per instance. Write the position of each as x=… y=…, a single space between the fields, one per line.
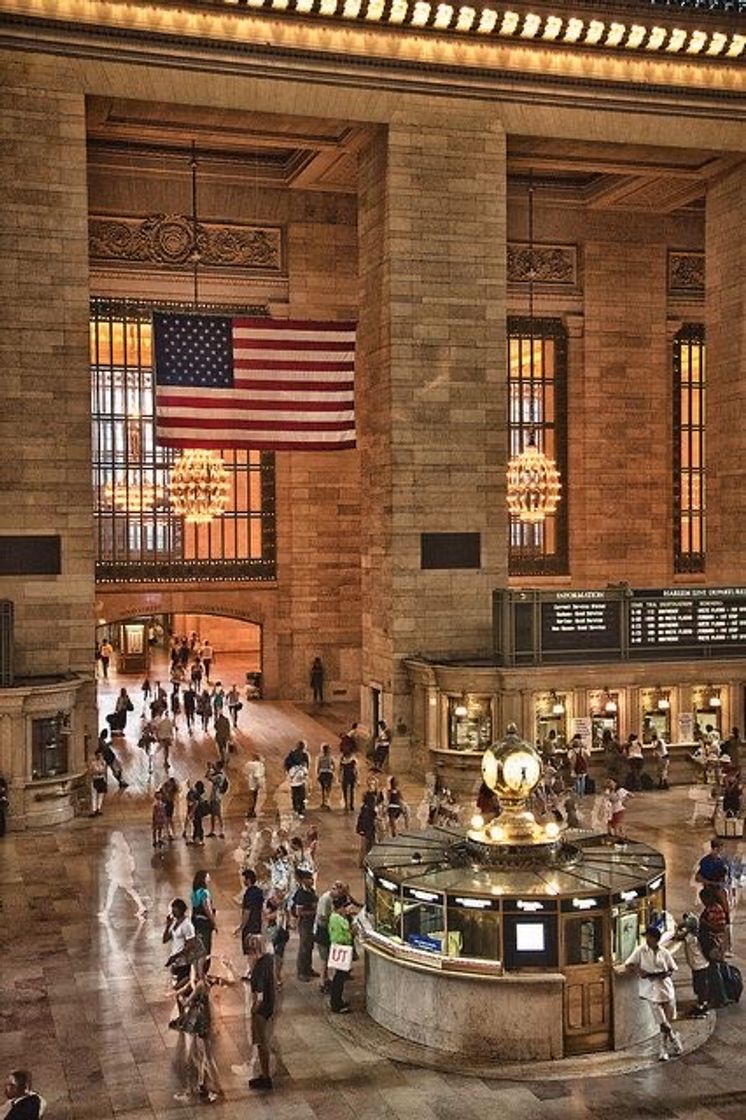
x=660 y=56
x=624 y=33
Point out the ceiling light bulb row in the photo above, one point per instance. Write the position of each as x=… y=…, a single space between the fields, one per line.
x=507 y=23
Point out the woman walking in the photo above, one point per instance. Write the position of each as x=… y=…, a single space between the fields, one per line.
x=195 y=1020
x=203 y=914
x=99 y=784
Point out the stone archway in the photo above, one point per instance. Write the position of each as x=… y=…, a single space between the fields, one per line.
x=114 y=605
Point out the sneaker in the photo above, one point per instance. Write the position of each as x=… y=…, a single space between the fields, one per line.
x=183 y=1098
x=663 y=1054
x=345 y=1010
x=675 y=1044
x=211 y=1097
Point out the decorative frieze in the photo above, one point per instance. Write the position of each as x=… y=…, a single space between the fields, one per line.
x=686 y=272
x=169 y=240
x=544 y=264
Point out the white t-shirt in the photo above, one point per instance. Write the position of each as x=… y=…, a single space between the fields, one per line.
x=646 y=959
x=298 y=775
x=180 y=934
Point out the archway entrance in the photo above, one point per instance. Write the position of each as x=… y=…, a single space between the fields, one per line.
x=142 y=645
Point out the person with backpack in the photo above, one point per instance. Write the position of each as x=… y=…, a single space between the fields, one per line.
x=219 y=782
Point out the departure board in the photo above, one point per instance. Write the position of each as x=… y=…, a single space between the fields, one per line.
x=534 y=627
x=581 y=621
x=687 y=621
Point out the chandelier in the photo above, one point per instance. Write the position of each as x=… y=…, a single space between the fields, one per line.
x=534 y=483
x=131 y=494
x=200 y=486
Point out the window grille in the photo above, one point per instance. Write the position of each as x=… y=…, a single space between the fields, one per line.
x=139 y=539
x=689 y=467
x=538 y=403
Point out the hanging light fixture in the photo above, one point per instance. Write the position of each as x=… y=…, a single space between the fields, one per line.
x=130 y=491
x=713 y=697
x=461 y=709
x=534 y=483
x=199 y=487
x=663 y=701
x=558 y=704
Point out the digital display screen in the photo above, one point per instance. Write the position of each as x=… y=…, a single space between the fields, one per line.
x=687 y=619
x=529 y=937
x=581 y=621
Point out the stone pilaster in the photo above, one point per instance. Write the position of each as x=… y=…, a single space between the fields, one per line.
x=431 y=370
x=620 y=454
x=45 y=433
x=726 y=378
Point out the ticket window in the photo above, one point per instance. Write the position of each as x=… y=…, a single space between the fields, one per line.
x=708 y=718
x=582 y=939
x=469 y=723
x=656 y=722
x=478 y=933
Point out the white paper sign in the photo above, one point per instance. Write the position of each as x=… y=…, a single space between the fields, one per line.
x=340 y=957
x=583 y=726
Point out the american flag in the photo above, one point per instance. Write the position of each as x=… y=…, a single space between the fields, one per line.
x=265 y=384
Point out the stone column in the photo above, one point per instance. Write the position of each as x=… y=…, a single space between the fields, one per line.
x=431 y=384
x=725 y=254
x=45 y=438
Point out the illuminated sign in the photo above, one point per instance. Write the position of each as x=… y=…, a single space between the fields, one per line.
x=529 y=907
x=585 y=903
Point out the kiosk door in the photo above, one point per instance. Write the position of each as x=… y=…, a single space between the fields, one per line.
x=588 y=989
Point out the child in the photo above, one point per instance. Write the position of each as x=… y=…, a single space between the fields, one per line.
x=687 y=935
x=160 y=819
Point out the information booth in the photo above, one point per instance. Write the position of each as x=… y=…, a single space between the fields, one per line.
x=547 y=931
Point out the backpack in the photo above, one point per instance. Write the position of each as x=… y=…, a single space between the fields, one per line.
x=732 y=981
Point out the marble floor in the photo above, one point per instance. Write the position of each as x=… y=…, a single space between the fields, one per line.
x=85 y=1003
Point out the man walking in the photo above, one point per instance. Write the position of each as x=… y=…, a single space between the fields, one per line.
x=262 y=1009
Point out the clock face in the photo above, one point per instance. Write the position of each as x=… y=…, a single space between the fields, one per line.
x=521 y=771
x=489 y=769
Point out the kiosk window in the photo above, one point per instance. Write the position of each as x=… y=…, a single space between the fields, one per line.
x=626 y=934
x=49 y=739
x=530 y=942
x=423 y=920
x=388 y=912
x=584 y=939
x=479 y=931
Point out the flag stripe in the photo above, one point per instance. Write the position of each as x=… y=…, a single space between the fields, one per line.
x=254 y=383
x=272 y=443
x=247 y=424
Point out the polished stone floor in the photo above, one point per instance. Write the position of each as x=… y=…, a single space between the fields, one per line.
x=85 y=1003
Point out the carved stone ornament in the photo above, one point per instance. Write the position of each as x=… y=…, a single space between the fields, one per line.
x=169 y=240
x=550 y=264
x=686 y=272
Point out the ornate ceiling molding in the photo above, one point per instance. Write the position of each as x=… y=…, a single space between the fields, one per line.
x=169 y=240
